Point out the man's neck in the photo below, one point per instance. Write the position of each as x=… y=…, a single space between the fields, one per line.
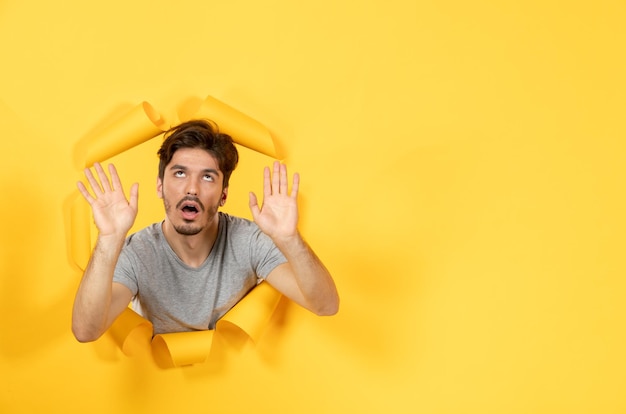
x=192 y=250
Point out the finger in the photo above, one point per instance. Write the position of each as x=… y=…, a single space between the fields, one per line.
x=104 y=180
x=267 y=184
x=116 y=183
x=276 y=178
x=93 y=183
x=83 y=190
x=134 y=196
x=295 y=185
x=283 y=179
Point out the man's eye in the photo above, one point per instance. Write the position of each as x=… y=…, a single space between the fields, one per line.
x=179 y=174
x=208 y=177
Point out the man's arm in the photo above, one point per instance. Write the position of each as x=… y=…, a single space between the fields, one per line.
x=98 y=300
x=304 y=278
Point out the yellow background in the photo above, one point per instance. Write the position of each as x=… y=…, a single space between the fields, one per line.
x=463 y=170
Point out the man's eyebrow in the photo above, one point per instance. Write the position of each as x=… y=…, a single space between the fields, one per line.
x=183 y=168
x=211 y=170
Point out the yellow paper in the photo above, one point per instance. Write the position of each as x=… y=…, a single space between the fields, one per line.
x=182 y=348
x=130 y=328
x=255 y=311
x=80 y=238
x=250 y=316
x=140 y=124
x=243 y=129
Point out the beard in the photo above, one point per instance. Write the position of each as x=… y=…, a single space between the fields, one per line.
x=189 y=227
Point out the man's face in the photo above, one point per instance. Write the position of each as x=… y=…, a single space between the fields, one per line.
x=191 y=190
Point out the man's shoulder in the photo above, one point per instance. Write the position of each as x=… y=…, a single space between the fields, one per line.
x=237 y=228
x=232 y=222
x=148 y=235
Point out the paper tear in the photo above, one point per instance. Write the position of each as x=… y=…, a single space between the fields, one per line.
x=130 y=331
x=169 y=350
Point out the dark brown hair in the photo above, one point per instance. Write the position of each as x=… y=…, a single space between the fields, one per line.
x=203 y=134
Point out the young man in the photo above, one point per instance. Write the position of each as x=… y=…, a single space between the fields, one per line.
x=186 y=272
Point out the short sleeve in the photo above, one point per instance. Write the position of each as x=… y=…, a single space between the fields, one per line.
x=264 y=254
x=125 y=271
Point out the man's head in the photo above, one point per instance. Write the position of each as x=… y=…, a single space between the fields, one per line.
x=203 y=135
x=196 y=162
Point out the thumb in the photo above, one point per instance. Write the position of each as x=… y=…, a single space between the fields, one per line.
x=254 y=205
x=134 y=196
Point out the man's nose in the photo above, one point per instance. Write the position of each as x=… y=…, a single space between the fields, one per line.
x=192 y=188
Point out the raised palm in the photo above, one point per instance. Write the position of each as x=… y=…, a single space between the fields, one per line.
x=278 y=217
x=112 y=212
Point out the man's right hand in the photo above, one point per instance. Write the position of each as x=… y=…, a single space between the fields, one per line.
x=113 y=214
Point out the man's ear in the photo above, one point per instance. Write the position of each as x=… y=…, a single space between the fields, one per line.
x=224 y=196
x=159 y=187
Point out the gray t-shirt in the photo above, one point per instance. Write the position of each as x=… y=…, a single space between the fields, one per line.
x=178 y=298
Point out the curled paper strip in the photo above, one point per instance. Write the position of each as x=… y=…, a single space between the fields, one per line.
x=181 y=348
x=243 y=129
x=170 y=350
x=139 y=125
x=255 y=314
x=130 y=328
x=143 y=123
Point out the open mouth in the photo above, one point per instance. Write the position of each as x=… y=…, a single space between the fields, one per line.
x=189 y=211
x=190 y=208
